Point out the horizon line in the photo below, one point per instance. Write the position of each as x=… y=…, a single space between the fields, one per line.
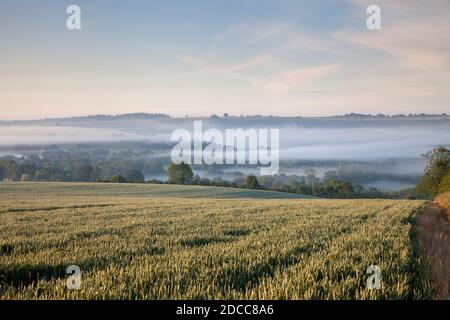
x=225 y=116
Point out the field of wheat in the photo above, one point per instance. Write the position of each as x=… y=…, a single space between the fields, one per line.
x=131 y=246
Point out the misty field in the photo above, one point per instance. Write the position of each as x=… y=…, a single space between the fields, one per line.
x=148 y=244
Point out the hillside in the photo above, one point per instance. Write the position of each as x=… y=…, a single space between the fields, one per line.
x=135 y=242
x=57 y=190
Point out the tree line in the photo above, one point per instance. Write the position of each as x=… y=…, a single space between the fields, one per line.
x=436 y=177
x=63 y=166
x=435 y=180
x=80 y=168
x=308 y=185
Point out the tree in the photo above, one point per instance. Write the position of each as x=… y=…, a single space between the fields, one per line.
x=179 y=173
x=118 y=179
x=134 y=175
x=86 y=173
x=444 y=186
x=83 y=172
x=251 y=182
x=9 y=169
x=26 y=168
x=41 y=175
x=311 y=178
x=437 y=168
x=330 y=176
x=341 y=189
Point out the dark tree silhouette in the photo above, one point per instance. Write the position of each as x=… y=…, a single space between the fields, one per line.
x=179 y=173
x=251 y=182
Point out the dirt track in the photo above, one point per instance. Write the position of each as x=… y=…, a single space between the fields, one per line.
x=435 y=239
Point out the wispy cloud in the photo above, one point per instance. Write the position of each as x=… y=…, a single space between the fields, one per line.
x=279 y=56
x=260 y=72
x=270 y=72
x=282 y=35
x=299 y=79
x=415 y=33
x=206 y=67
x=416 y=47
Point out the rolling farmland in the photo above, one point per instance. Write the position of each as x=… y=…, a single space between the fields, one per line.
x=172 y=242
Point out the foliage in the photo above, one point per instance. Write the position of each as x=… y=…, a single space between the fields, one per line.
x=437 y=168
x=134 y=175
x=118 y=179
x=77 y=166
x=444 y=201
x=329 y=187
x=179 y=173
x=444 y=186
x=103 y=164
x=251 y=182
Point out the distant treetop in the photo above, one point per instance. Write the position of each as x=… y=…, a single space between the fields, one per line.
x=125 y=116
x=381 y=115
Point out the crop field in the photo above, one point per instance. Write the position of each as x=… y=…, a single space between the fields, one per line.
x=138 y=242
x=60 y=190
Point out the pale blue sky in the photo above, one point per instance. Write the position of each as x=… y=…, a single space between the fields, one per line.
x=202 y=57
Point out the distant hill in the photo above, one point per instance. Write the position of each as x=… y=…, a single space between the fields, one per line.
x=244 y=120
x=97 y=117
x=395 y=116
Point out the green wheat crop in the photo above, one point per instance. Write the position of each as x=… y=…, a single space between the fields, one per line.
x=150 y=246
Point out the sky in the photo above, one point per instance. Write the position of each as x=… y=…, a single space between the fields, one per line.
x=199 y=57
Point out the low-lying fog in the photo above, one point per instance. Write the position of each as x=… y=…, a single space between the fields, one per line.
x=383 y=149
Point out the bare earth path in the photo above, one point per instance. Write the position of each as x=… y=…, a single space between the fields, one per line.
x=435 y=239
